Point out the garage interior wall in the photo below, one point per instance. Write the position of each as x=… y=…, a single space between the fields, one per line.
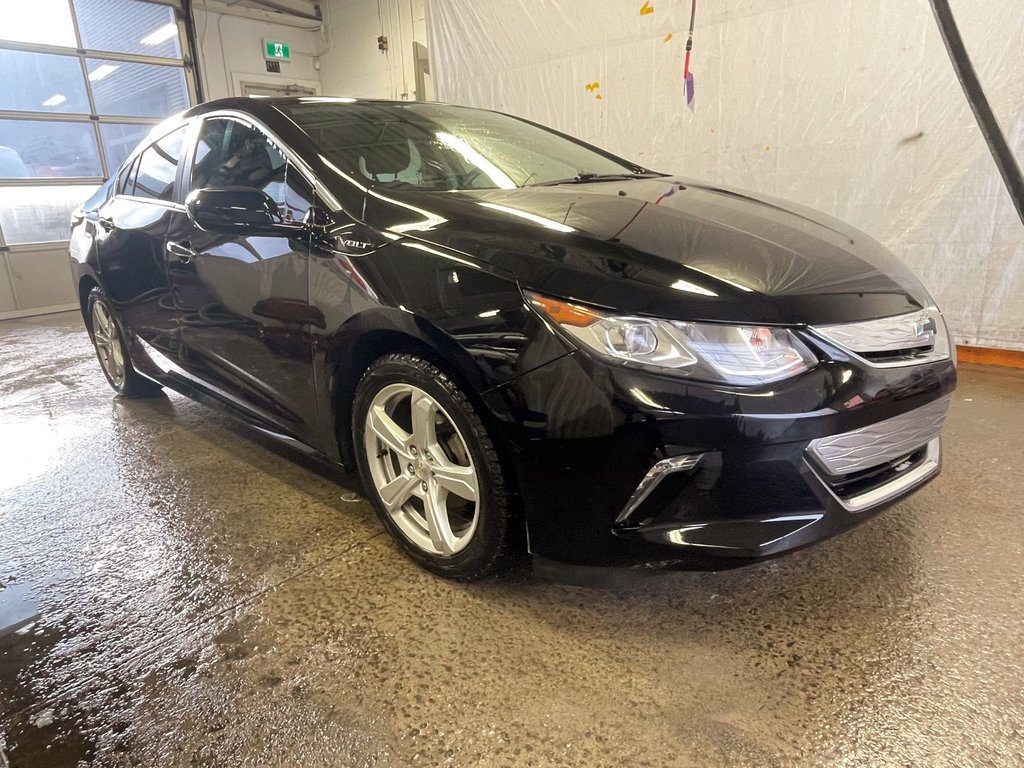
x=850 y=107
x=230 y=42
x=353 y=66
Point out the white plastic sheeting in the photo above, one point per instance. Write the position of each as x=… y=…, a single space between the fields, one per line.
x=850 y=107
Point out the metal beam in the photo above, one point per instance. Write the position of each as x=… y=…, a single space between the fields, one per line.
x=308 y=23
x=302 y=8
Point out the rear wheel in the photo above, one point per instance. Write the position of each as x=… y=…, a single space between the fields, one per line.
x=112 y=351
x=430 y=469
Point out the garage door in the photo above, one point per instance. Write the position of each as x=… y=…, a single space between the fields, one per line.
x=83 y=82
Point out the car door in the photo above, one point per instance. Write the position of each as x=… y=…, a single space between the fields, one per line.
x=242 y=300
x=130 y=234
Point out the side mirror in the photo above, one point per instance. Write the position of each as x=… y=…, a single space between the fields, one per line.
x=238 y=211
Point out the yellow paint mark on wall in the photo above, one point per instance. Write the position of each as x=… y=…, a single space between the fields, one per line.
x=646 y=8
x=591 y=87
x=667 y=37
x=599 y=97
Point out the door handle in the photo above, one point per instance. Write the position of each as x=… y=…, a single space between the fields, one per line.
x=183 y=251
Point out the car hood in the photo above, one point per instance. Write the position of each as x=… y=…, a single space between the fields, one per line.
x=666 y=247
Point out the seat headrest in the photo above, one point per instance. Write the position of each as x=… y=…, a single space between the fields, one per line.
x=389 y=157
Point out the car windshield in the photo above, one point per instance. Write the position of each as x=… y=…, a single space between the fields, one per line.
x=436 y=147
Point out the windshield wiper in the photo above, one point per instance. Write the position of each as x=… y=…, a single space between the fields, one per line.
x=585 y=178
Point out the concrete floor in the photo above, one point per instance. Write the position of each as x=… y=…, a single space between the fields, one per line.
x=175 y=591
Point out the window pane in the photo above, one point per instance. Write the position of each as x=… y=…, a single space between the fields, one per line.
x=119 y=139
x=126 y=179
x=21 y=22
x=42 y=82
x=40 y=149
x=40 y=214
x=128 y=26
x=137 y=90
x=158 y=166
x=231 y=154
x=443 y=147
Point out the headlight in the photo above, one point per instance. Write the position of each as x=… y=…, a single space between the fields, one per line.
x=731 y=354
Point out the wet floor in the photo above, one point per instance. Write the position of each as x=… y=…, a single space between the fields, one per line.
x=175 y=591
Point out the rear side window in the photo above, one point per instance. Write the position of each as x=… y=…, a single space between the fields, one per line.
x=232 y=154
x=126 y=179
x=157 y=166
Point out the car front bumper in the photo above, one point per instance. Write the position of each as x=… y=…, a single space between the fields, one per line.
x=617 y=466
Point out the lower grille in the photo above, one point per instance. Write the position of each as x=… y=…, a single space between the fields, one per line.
x=870 y=465
x=880 y=443
x=867 y=480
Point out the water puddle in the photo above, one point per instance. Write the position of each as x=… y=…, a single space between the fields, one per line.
x=17 y=608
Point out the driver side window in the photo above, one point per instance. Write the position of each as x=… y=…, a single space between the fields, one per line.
x=230 y=153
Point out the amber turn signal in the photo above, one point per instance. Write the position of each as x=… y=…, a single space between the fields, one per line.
x=564 y=313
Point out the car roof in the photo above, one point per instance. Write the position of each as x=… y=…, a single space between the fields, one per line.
x=259 y=103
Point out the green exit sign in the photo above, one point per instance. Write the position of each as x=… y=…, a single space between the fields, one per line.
x=275 y=50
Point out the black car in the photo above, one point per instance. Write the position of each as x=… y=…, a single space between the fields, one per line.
x=522 y=342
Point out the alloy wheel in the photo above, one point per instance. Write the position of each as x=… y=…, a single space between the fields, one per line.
x=422 y=469
x=108 y=344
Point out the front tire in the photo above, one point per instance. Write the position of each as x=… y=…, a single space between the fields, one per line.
x=111 y=350
x=430 y=469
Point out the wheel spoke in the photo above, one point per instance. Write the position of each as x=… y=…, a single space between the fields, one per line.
x=389 y=433
x=398 y=491
x=108 y=345
x=424 y=411
x=438 y=524
x=100 y=334
x=457 y=479
x=117 y=355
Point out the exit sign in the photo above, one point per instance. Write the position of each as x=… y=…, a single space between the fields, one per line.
x=275 y=50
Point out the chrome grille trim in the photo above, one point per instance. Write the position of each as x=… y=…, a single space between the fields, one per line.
x=884 y=334
x=923 y=471
x=922 y=334
x=653 y=478
x=882 y=442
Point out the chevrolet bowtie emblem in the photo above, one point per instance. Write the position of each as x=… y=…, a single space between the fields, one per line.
x=925 y=327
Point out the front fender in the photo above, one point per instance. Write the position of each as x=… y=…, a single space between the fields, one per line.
x=405 y=295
